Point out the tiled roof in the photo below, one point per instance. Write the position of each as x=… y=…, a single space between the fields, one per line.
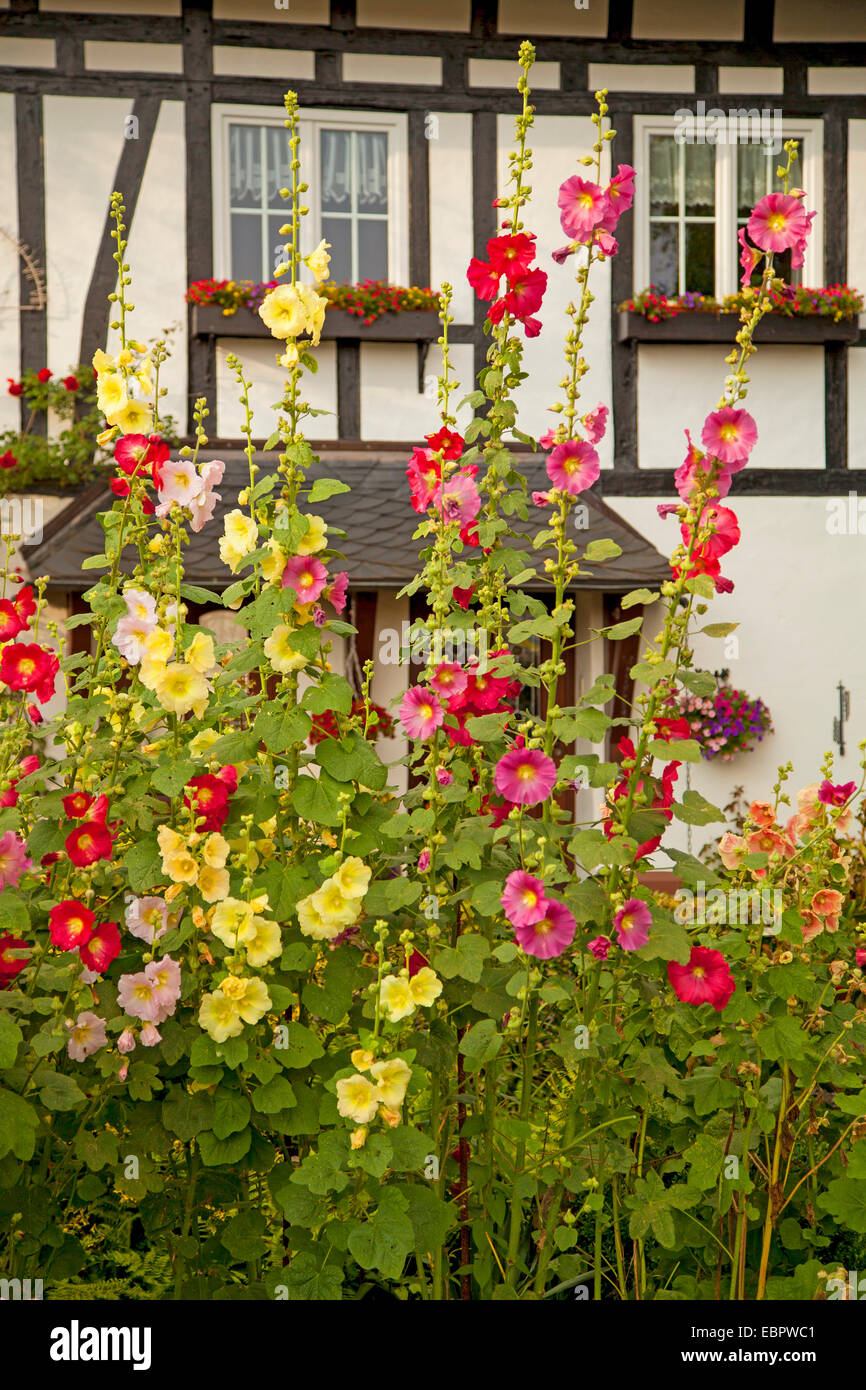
x=376 y=516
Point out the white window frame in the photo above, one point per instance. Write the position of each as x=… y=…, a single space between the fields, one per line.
x=310 y=123
x=808 y=173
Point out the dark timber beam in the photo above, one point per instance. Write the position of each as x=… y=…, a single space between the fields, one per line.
x=484 y=160
x=30 y=178
x=198 y=94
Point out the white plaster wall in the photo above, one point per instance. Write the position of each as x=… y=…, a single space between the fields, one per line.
x=27 y=53
x=498 y=72
x=9 y=265
x=133 y=57
x=857 y=408
x=798 y=600
x=857 y=210
x=642 y=77
x=553 y=17
x=275 y=11
x=833 y=81
x=260 y=365
x=799 y=21
x=747 y=81
x=390 y=682
x=392 y=67
x=287 y=63
x=683 y=19
x=679 y=384
x=391 y=405
x=557 y=142
x=451 y=248
x=420 y=14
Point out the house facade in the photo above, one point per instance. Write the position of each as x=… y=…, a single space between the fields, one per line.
x=407 y=120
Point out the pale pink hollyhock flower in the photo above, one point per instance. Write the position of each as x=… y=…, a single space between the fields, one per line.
x=165 y=975
x=140 y=604
x=633 y=922
x=423 y=861
x=573 y=466
x=86 y=1036
x=420 y=712
x=136 y=995
x=599 y=947
x=525 y=776
x=444 y=777
x=523 y=899
x=147 y=918
x=548 y=439
x=595 y=423
x=449 y=679
x=458 y=498
x=732 y=848
x=778 y=222
x=129 y=637
x=729 y=434
x=550 y=936
x=179 y=482
x=306 y=575
x=204 y=503
x=336 y=591
x=126 y=1041
x=798 y=826
x=13 y=859
x=582 y=206
x=124 y=1072
x=150 y=1035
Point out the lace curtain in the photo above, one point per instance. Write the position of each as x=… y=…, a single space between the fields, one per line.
x=245 y=165
x=370 y=174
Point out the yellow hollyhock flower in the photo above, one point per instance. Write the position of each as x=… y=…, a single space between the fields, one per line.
x=289 y=358
x=391 y=1117
x=274 y=562
x=425 y=987
x=219 y=1016
x=333 y=907
x=357 y=1099
x=319 y=262
x=283 y=312
x=314 y=539
x=361 y=1059
x=200 y=653
x=392 y=1078
x=314 y=309
x=240 y=538
x=313 y=924
x=133 y=417
x=353 y=877
x=359 y=1137
x=110 y=394
x=177 y=862
x=262 y=941
x=213 y=884
x=180 y=689
x=229 y=919
x=203 y=741
x=251 y=1000
x=101 y=362
x=395 y=997
x=215 y=850
x=282 y=657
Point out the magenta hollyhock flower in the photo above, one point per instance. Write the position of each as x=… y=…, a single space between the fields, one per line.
x=525 y=776
x=306 y=575
x=449 y=679
x=729 y=434
x=573 y=466
x=582 y=206
x=420 y=712
x=705 y=979
x=749 y=258
x=549 y=936
x=458 y=498
x=86 y=1036
x=778 y=222
x=595 y=423
x=633 y=922
x=542 y=499
x=599 y=947
x=620 y=195
x=523 y=899
x=832 y=795
x=861 y=957
x=337 y=590
x=13 y=859
x=423 y=861
x=444 y=777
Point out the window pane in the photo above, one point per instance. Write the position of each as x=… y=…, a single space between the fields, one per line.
x=276 y=243
x=752 y=171
x=279 y=162
x=246 y=246
x=338 y=231
x=700 y=180
x=664 y=257
x=664 y=165
x=245 y=166
x=373 y=250
x=371 y=166
x=700 y=257
x=336 y=160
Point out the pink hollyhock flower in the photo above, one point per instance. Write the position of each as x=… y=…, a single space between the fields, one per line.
x=595 y=423
x=444 y=777
x=86 y=1036
x=337 y=590
x=525 y=776
x=562 y=253
x=582 y=206
x=483 y=279
x=306 y=575
x=420 y=712
x=860 y=957
x=620 y=196
x=423 y=861
x=150 y=1035
x=749 y=258
x=165 y=975
x=70 y=924
x=705 y=979
x=599 y=947
x=542 y=499
x=798 y=250
x=523 y=899
x=548 y=439
x=204 y=503
x=728 y=434
x=511 y=255
x=126 y=1042
x=13 y=859
x=178 y=483
x=778 y=222
x=550 y=935
x=725 y=531
x=102 y=948
x=633 y=922
x=423 y=473
x=449 y=679
x=458 y=498
x=827 y=902
x=666 y=509
x=573 y=466
x=831 y=795
x=136 y=996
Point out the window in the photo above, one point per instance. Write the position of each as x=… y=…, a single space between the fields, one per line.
x=355 y=165
x=692 y=198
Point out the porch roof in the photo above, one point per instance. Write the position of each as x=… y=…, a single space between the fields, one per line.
x=376 y=516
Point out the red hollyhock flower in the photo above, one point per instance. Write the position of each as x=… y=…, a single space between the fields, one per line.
x=137 y=453
x=483 y=279
x=669 y=728
x=77 y=804
x=448 y=442
x=102 y=948
x=423 y=473
x=25 y=602
x=725 y=531
x=26 y=766
x=463 y=597
x=11 y=621
x=26 y=666
x=44 y=375
x=34 y=714
x=89 y=842
x=525 y=293
x=663 y=795
x=511 y=256
x=70 y=924
x=8 y=460
x=120 y=487
x=210 y=796
x=229 y=775
x=416 y=962
x=705 y=979
x=14 y=388
x=12 y=958
x=71 y=383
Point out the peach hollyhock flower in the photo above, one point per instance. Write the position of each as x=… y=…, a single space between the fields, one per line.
x=306 y=575
x=763 y=814
x=523 y=899
x=732 y=848
x=87 y=1035
x=808 y=800
x=812 y=925
x=314 y=538
x=729 y=434
x=796 y=827
x=392 y=1078
x=353 y=877
x=240 y=538
x=827 y=902
x=358 y=1137
x=392 y=1118
x=550 y=936
x=525 y=776
x=778 y=222
x=420 y=712
x=283 y=657
x=425 y=987
x=395 y=997
x=573 y=466
x=213 y=884
x=632 y=923
x=357 y=1098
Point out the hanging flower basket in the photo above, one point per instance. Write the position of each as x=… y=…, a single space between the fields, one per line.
x=724 y=724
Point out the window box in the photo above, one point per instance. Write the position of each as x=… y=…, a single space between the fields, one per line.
x=413 y=326
x=723 y=328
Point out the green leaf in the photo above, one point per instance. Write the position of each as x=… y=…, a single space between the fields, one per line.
x=668 y=940
x=686 y=750
x=431 y=1218
x=591 y=724
x=18 y=1124
x=638 y=596
x=323 y=488
x=652 y=672
x=602 y=549
x=696 y=810
x=783 y=1038
x=719 y=629
x=171 y=777
x=385 y=1240
x=217 y=1152
x=308 y=1280
x=303 y=1047
x=187 y=1115
x=352 y=759
x=57 y=1091
x=14 y=917
x=332 y=693
x=480 y=1044
x=709 y=1092
x=466 y=960
x=244 y=1236
x=317 y=799
x=276 y=1094
x=409 y=1148
x=231 y=1113
x=198 y=595
x=699 y=682
x=280 y=728
x=845 y=1199
x=143 y=864
x=621 y=630
x=10 y=1037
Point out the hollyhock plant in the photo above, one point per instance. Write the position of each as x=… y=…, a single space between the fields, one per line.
x=70 y=924
x=88 y=843
x=523 y=899
x=101 y=947
x=147 y=918
x=306 y=575
x=632 y=923
x=14 y=860
x=550 y=936
x=86 y=1036
x=421 y=714
x=583 y=205
x=525 y=776
x=729 y=435
x=830 y=795
x=778 y=222
x=573 y=466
